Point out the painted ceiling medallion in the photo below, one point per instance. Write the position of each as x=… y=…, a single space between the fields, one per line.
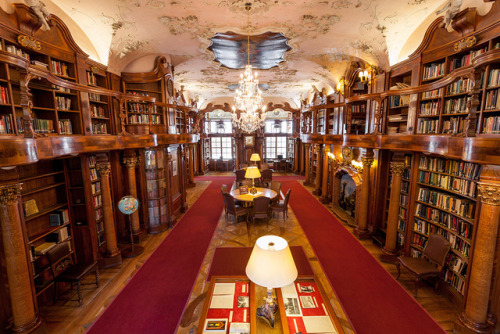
x=267 y=50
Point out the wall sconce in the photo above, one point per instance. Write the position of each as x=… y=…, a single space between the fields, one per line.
x=340 y=86
x=365 y=76
x=332 y=156
x=357 y=164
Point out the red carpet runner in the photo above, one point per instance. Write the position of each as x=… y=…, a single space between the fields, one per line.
x=154 y=299
x=373 y=300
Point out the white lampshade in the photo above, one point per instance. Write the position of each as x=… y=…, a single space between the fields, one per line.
x=255 y=157
x=252 y=173
x=271 y=263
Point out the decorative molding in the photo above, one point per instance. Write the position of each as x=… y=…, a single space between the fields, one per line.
x=10 y=194
x=465 y=43
x=346 y=155
x=103 y=168
x=397 y=167
x=489 y=194
x=29 y=42
x=367 y=162
x=131 y=162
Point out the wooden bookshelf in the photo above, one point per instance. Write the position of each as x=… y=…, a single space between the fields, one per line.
x=397 y=112
x=156 y=190
x=445 y=203
x=99 y=105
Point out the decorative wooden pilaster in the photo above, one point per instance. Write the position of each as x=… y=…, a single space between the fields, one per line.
x=112 y=255
x=131 y=161
x=319 y=171
x=307 y=162
x=303 y=159
x=361 y=231
x=296 y=160
x=390 y=249
x=24 y=313
x=324 y=186
x=190 y=157
x=237 y=160
x=184 y=177
x=474 y=318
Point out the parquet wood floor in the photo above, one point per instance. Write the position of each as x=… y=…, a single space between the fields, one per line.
x=67 y=317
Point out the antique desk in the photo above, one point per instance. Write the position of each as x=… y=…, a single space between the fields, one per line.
x=249 y=198
x=302 y=304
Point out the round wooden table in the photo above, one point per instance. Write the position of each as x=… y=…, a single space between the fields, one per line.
x=249 y=198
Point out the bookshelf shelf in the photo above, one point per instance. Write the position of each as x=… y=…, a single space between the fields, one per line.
x=45 y=211
x=40 y=236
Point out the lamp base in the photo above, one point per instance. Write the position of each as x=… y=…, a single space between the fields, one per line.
x=253 y=190
x=267 y=310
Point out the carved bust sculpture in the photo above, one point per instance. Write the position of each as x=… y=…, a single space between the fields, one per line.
x=40 y=11
x=451 y=9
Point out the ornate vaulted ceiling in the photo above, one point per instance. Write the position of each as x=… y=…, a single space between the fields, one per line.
x=324 y=36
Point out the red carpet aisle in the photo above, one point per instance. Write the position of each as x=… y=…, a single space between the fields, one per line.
x=373 y=300
x=154 y=299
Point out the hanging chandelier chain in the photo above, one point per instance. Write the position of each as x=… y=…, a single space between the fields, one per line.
x=248 y=7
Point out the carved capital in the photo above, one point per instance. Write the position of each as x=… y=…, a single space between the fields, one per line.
x=103 y=168
x=367 y=162
x=131 y=162
x=489 y=194
x=397 y=167
x=9 y=194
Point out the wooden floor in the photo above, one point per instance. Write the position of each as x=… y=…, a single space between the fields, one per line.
x=67 y=317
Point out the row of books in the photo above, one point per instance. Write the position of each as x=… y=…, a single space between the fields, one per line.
x=460 y=245
x=94 y=97
x=491 y=125
x=91 y=161
x=456 y=263
x=432 y=94
x=97 y=201
x=494 y=78
x=466 y=59
x=4 y=97
x=403 y=200
x=427 y=126
x=445 y=219
x=397 y=101
x=405 y=186
x=455 y=106
x=98 y=214
x=462 y=207
x=419 y=240
x=416 y=253
x=65 y=127
x=137 y=107
x=453 y=125
x=460 y=185
x=402 y=225
x=400 y=240
x=156 y=119
x=61 y=89
x=492 y=101
x=138 y=119
x=13 y=49
x=99 y=128
x=39 y=125
x=5 y=125
x=63 y=103
x=460 y=86
x=402 y=213
x=96 y=188
x=60 y=68
x=454 y=280
x=433 y=70
x=358 y=108
x=453 y=167
x=154 y=159
x=93 y=175
x=431 y=108
x=97 y=111
x=427 y=228
x=91 y=78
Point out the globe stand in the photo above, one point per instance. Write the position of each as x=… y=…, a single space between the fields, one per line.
x=128 y=205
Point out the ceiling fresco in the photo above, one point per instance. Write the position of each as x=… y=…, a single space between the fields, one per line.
x=324 y=36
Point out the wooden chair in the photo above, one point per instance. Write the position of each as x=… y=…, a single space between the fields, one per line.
x=64 y=269
x=223 y=190
x=282 y=206
x=266 y=176
x=220 y=165
x=240 y=176
x=430 y=264
x=276 y=186
x=261 y=208
x=234 y=210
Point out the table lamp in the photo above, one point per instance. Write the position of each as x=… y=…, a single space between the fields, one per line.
x=252 y=173
x=271 y=265
x=255 y=157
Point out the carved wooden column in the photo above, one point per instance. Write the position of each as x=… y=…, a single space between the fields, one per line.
x=296 y=152
x=112 y=256
x=324 y=186
x=303 y=159
x=390 y=249
x=474 y=318
x=131 y=161
x=237 y=158
x=361 y=230
x=16 y=260
x=319 y=172
x=190 y=161
x=307 y=162
x=183 y=176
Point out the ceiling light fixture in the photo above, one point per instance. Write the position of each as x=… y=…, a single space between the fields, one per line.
x=248 y=97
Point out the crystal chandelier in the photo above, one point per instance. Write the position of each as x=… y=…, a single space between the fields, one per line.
x=248 y=98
